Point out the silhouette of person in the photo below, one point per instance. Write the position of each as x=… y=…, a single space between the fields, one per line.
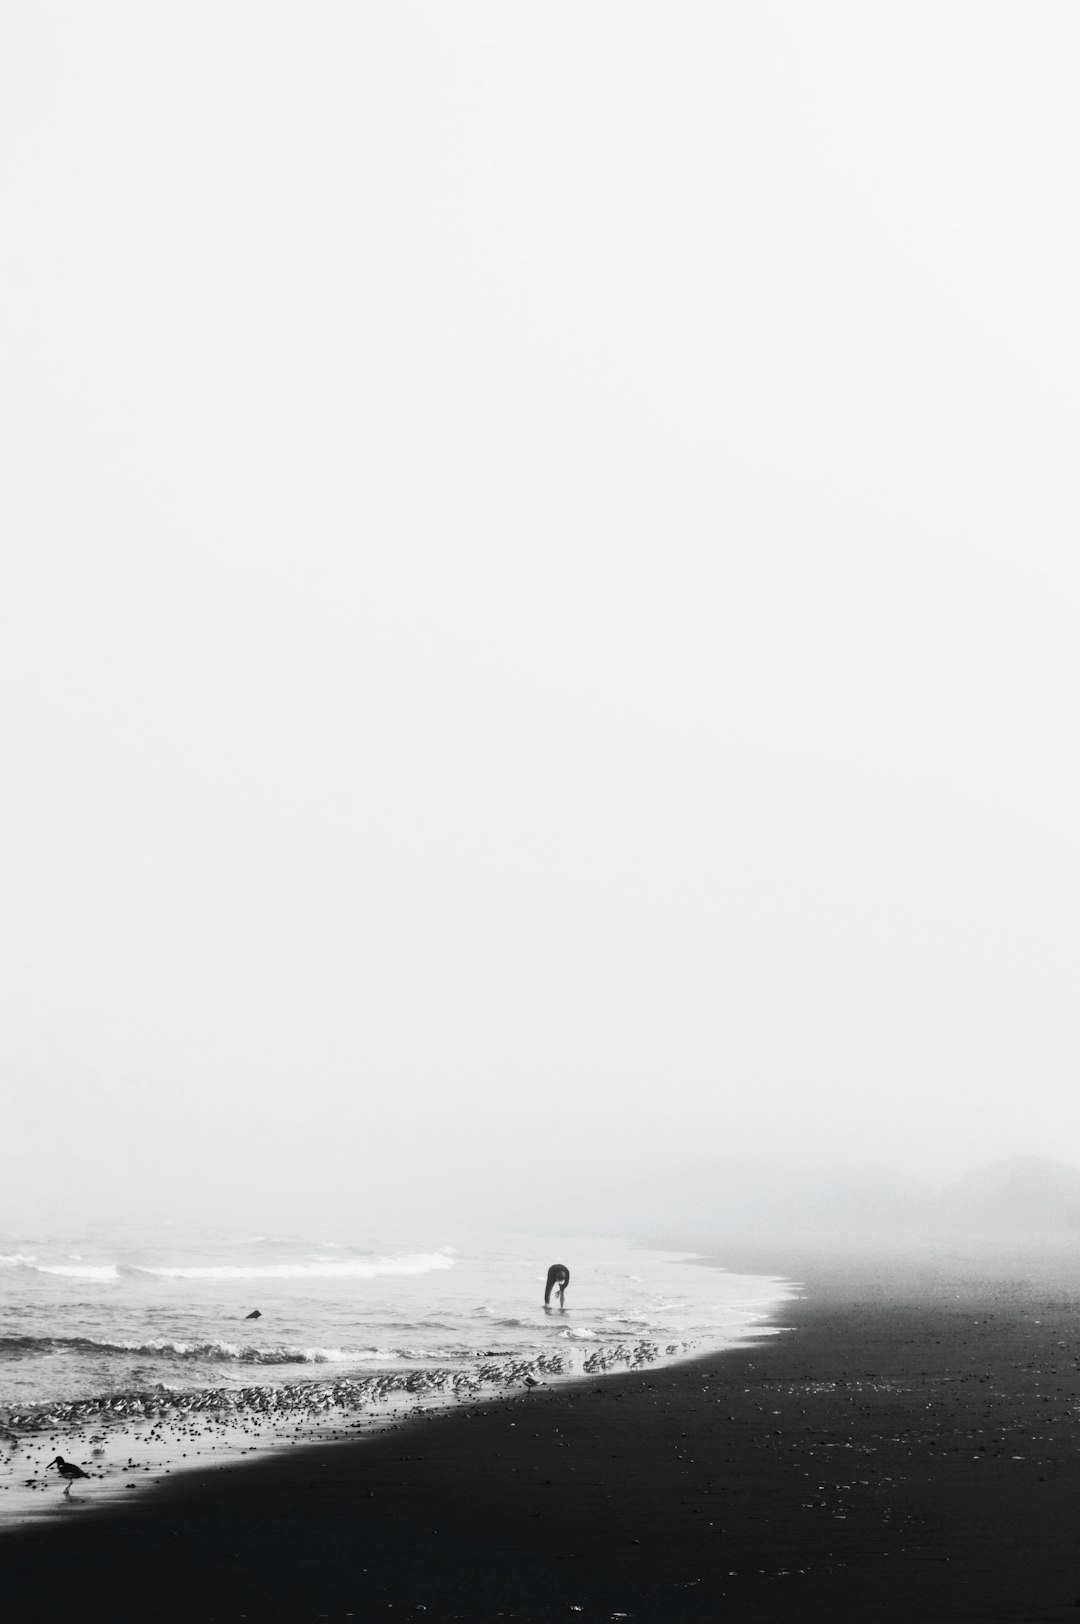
x=558 y=1279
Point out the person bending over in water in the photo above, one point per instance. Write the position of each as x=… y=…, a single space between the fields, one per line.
x=558 y=1279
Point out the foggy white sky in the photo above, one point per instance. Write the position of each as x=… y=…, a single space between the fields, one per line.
x=540 y=591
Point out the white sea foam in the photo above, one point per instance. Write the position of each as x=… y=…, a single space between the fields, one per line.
x=245 y=1354
x=209 y=1352
x=316 y=1269
x=80 y=1271
x=76 y=1269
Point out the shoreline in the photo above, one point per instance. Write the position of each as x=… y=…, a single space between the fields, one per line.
x=910 y=1451
x=141 y=1437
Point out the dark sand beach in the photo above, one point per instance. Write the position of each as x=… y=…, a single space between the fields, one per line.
x=909 y=1450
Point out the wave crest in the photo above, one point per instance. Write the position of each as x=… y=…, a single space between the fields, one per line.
x=163 y=1348
x=314 y=1269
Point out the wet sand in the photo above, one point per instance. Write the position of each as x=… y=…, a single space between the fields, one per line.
x=909 y=1451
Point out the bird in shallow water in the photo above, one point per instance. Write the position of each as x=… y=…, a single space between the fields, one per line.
x=67 y=1470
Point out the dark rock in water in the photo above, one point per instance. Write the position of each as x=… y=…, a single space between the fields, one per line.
x=255 y=1314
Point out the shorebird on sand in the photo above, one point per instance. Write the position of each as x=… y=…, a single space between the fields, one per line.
x=68 y=1470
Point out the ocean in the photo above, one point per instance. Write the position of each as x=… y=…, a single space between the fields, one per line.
x=112 y=1337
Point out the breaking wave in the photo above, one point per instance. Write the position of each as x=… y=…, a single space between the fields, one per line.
x=77 y=1270
x=314 y=1269
x=162 y=1348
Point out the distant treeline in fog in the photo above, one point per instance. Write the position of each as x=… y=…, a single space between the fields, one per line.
x=1023 y=1195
